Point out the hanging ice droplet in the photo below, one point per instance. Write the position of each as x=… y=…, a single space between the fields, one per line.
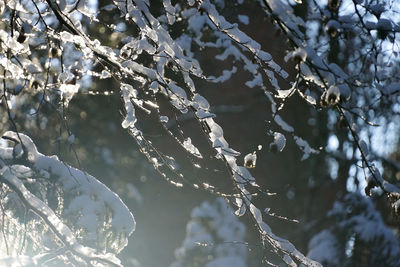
x=250 y=160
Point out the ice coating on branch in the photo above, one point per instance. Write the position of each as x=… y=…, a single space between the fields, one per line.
x=280 y=243
x=170 y=11
x=243 y=176
x=308 y=75
x=13 y=69
x=286 y=13
x=136 y=67
x=127 y=92
x=256 y=213
x=187 y=144
x=12 y=44
x=82 y=7
x=140 y=14
x=234 y=33
x=66 y=36
x=241 y=207
x=177 y=91
x=218 y=141
x=200 y=102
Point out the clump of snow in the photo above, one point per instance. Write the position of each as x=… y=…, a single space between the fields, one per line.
x=200 y=102
x=63 y=77
x=86 y=212
x=299 y=55
x=164 y=119
x=305 y=147
x=243 y=176
x=257 y=81
x=127 y=92
x=187 y=144
x=68 y=91
x=284 y=125
x=279 y=143
x=332 y=96
x=170 y=11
